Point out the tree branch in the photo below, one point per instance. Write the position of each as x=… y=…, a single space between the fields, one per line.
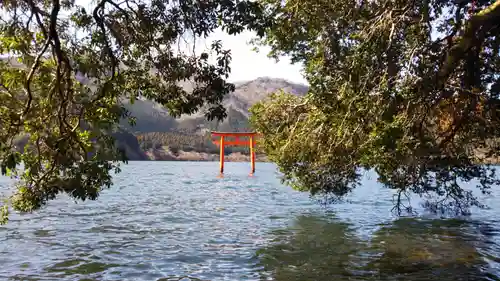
x=30 y=76
x=485 y=19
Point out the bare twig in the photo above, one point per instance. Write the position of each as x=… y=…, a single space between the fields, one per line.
x=7 y=90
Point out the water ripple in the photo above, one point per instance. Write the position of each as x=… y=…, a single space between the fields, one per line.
x=177 y=221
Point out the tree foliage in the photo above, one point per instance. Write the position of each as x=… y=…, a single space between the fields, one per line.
x=407 y=88
x=66 y=68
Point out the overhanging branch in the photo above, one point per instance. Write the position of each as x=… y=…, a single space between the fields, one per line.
x=479 y=23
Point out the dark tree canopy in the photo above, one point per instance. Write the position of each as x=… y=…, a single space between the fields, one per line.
x=65 y=70
x=407 y=88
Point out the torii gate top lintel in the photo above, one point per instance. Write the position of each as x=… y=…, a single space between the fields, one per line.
x=233 y=134
x=250 y=142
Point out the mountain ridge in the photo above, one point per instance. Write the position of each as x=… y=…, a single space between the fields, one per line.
x=152 y=117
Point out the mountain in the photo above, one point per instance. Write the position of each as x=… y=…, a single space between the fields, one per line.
x=139 y=143
x=152 y=117
x=248 y=93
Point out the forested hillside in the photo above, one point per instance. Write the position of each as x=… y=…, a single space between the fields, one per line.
x=156 y=130
x=177 y=141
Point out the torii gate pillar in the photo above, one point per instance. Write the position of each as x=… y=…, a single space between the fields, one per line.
x=222 y=142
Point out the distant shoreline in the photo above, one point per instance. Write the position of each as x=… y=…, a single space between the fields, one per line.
x=183 y=160
x=166 y=155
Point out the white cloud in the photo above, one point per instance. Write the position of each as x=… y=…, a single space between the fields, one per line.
x=248 y=64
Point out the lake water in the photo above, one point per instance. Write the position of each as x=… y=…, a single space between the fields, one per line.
x=177 y=221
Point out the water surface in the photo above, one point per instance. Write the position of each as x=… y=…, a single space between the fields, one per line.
x=177 y=221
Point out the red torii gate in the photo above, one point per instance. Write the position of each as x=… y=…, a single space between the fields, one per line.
x=222 y=142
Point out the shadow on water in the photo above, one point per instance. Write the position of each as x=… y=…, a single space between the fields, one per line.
x=316 y=248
